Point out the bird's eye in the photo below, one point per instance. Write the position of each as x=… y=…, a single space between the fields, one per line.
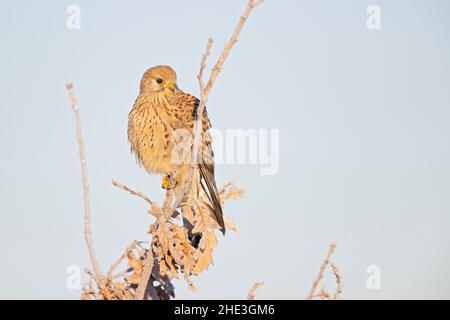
x=159 y=81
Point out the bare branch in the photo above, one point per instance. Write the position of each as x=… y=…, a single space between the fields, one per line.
x=171 y=203
x=145 y=278
x=203 y=62
x=251 y=294
x=339 y=283
x=134 y=193
x=121 y=274
x=319 y=277
x=85 y=182
x=252 y=4
x=116 y=263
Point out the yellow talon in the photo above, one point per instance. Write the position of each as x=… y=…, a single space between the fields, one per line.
x=165 y=182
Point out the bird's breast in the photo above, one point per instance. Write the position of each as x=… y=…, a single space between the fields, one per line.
x=150 y=132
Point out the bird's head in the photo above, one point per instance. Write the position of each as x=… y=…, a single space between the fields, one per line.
x=159 y=79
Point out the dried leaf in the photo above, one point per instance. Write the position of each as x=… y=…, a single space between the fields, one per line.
x=230 y=191
x=203 y=218
x=206 y=247
x=229 y=224
x=182 y=251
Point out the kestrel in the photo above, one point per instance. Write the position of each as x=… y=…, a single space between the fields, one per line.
x=161 y=111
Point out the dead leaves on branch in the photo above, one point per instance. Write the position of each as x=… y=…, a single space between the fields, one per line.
x=230 y=191
x=204 y=253
x=188 y=249
x=123 y=285
x=180 y=247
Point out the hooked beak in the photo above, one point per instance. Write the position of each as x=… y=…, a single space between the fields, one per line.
x=170 y=86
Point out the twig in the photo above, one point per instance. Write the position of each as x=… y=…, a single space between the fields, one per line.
x=203 y=63
x=154 y=210
x=116 y=263
x=92 y=276
x=85 y=182
x=134 y=193
x=170 y=205
x=319 y=277
x=145 y=278
x=251 y=293
x=339 y=283
x=252 y=4
x=121 y=273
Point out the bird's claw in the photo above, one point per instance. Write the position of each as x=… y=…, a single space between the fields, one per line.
x=165 y=182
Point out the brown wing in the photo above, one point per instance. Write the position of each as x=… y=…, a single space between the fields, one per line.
x=207 y=173
x=190 y=104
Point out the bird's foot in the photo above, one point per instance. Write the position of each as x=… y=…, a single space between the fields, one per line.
x=165 y=182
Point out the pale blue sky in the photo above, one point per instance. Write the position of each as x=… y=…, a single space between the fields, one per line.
x=364 y=140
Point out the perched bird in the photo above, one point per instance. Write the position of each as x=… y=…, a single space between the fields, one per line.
x=160 y=115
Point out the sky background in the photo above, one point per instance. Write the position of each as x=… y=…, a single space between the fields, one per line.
x=363 y=117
